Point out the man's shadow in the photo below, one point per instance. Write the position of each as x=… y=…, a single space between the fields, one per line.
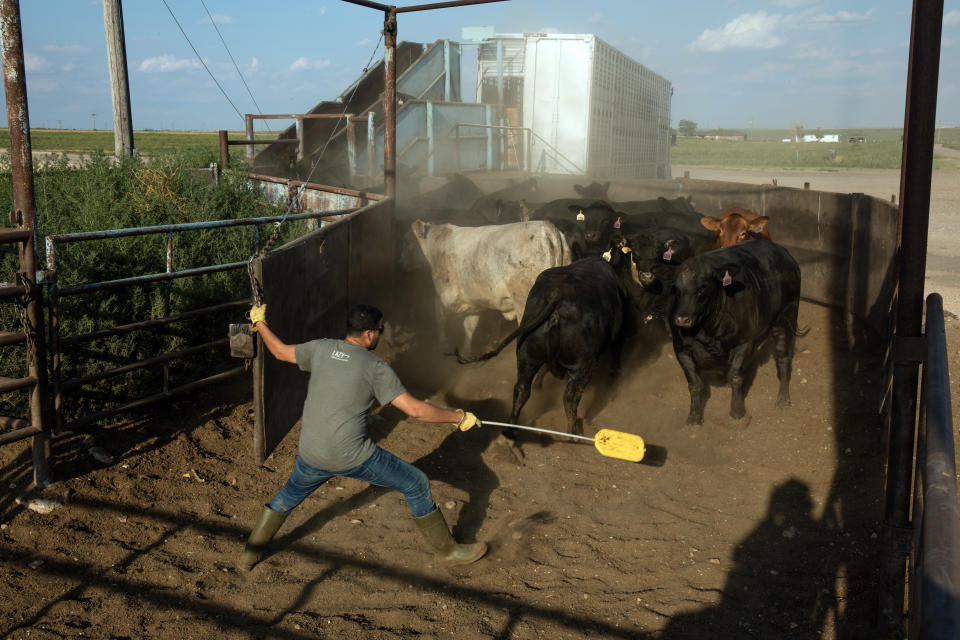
x=456 y=461
x=772 y=591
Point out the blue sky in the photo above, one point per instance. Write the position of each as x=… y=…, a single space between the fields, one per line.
x=732 y=63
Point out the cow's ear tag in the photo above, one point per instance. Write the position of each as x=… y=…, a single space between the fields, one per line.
x=607 y=255
x=581 y=217
x=668 y=254
x=616 y=225
x=625 y=249
x=727 y=279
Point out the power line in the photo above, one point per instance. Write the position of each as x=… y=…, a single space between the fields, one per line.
x=201 y=59
x=235 y=66
x=316 y=163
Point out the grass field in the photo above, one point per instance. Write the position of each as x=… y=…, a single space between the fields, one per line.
x=835 y=156
x=882 y=148
x=148 y=143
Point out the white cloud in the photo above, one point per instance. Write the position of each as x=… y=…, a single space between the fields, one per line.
x=813 y=53
x=867 y=52
x=70 y=48
x=302 y=64
x=218 y=18
x=166 y=64
x=46 y=85
x=547 y=30
x=794 y=4
x=253 y=67
x=35 y=63
x=364 y=42
x=951 y=19
x=595 y=18
x=841 y=17
x=746 y=31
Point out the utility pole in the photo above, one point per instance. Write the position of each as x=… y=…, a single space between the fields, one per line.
x=94 y=116
x=119 y=84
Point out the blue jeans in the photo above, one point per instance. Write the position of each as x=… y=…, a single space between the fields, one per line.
x=382 y=469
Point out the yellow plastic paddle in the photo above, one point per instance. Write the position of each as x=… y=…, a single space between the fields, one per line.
x=613 y=444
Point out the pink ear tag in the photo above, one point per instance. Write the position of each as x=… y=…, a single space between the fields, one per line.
x=668 y=254
x=616 y=225
x=727 y=279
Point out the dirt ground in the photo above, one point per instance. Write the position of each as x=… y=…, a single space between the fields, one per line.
x=766 y=527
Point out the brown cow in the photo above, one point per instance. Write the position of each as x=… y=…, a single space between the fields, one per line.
x=735 y=225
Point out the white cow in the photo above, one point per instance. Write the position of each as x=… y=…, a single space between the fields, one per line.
x=476 y=269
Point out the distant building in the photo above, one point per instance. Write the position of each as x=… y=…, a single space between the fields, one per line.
x=829 y=137
x=720 y=134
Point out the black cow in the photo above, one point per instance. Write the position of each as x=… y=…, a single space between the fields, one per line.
x=655 y=253
x=503 y=206
x=459 y=192
x=593 y=191
x=725 y=304
x=573 y=315
x=596 y=219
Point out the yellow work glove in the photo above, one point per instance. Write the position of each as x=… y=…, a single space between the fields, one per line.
x=468 y=421
x=258 y=313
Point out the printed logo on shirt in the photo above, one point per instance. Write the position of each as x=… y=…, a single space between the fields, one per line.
x=340 y=355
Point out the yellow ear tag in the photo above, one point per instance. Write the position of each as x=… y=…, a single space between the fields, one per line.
x=625 y=249
x=607 y=255
x=581 y=217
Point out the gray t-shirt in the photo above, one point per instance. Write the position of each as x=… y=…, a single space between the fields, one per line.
x=345 y=380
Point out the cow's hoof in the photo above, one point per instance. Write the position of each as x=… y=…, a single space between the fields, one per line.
x=695 y=420
x=738 y=413
x=577 y=428
x=784 y=401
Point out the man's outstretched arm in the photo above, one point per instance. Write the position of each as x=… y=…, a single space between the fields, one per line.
x=280 y=350
x=426 y=412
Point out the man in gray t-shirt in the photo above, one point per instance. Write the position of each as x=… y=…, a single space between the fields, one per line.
x=346 y=381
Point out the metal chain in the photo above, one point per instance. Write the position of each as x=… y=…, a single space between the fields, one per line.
x=28 y=329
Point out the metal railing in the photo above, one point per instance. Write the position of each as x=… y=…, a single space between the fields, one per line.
x=529 y=136
x=58 y=343
x=934 y=580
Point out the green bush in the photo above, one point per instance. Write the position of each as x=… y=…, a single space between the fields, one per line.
x=102 y=194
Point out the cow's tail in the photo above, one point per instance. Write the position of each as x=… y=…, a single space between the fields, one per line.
x=527 y=325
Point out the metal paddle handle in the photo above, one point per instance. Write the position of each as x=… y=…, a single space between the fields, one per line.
x=521 y=426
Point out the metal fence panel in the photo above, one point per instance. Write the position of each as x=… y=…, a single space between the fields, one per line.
x=308 y=286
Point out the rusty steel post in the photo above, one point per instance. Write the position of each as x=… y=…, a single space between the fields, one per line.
x=21 y=164
x=390 y=103
x=224 y=150
x=915 y=176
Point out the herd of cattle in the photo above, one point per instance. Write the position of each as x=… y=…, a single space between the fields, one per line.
x=580 y=275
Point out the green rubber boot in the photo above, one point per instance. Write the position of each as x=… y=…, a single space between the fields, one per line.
x=435 y=532
x=262 y=533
